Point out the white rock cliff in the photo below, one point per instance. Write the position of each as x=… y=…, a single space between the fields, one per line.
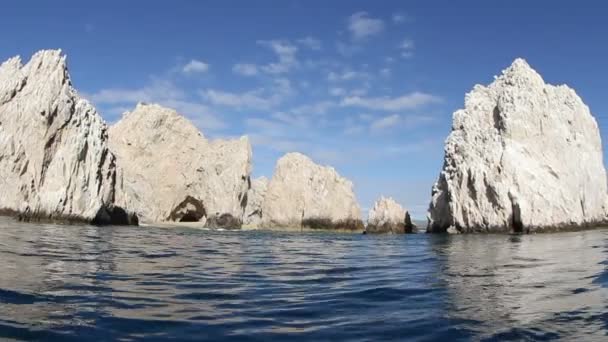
x=304 y=194
x=170 y=172
x=54 y=159
x=522 y=156
x=388 y=216
x=255 y=198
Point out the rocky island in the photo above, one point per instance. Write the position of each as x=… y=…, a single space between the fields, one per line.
x=523 y=156
x=302 y=194
x=388 y=216
x=171 y=172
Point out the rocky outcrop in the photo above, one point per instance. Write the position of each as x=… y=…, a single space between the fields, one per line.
x=387 y=216
x=170 y=172
x=302 y=194
x=522 y=156
x=255 y=197
x=54 y=159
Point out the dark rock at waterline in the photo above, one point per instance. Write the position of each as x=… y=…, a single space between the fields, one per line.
x=224 y=221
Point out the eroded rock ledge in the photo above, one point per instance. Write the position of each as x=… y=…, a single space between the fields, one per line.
x=523 y=156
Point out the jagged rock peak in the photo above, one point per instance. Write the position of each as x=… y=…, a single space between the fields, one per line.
x=304 y=194
x=522 y=156
x=55 y=163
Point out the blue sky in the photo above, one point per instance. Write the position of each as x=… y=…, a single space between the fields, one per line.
x=368 y=87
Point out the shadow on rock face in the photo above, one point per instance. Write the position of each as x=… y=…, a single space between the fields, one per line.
x=225 y=221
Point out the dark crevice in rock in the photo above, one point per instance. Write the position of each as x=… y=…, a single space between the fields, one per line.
x=516 y=222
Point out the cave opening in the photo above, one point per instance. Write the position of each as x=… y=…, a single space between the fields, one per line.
x=189 y=210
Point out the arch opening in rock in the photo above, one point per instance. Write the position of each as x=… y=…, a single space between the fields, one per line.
x=189 y=210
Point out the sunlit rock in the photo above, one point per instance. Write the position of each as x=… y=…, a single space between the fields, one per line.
x=302 y=194
x=522 y=156
x=170 y=172
x=255 y=197
x=388 y=216
x=54 y=160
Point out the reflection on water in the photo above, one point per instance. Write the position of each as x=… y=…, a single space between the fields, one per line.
x=129 y=283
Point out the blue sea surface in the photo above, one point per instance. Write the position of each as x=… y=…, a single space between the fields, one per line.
x=75 y=283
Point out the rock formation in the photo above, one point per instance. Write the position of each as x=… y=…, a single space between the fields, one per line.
x=54 y=159
x=255 y=197
x=304 y=194
x=522 y=156
x=170 y=172
x=387 y=216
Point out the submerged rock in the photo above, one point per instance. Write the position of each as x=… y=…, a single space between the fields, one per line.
x=170 y=172
x=522 y=156
x=255 y=197
x=304 y=194
x=54 y=160
x=387 y=216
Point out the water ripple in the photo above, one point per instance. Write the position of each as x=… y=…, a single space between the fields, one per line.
x=131 y=284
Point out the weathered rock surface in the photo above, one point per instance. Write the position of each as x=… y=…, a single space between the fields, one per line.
x=522 y=156
x=54 y=159
x=388 y=216
x=170 y=172
x=255 y=199
x=304 y=194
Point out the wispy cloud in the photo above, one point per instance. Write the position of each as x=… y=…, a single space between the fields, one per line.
x=347 y=75
x=385 y=122
x=407 y=48
x=385 y=103
x=310 y=42
x=260 y=98
x=163 y=92
x=195 y=66
x=245 y=69
x=362 y=26
x=399 y=18
x=286 y=54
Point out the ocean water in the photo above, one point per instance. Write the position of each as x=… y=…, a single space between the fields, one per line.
x=128 y=283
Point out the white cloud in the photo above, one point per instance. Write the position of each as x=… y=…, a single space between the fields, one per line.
x=163 y=92
x=347 y=50
x=250 y=99
x=245 y=69
x=399 y=18
x=286 y=54
x=347 y=75
x=385 y=72
x=195 y=66
x=407 y=48
x=310 y=42
x=261 y=98
x=337 y=91
x=386 y=122
x=404 y=102
x=362 y=26
x=157 y=89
